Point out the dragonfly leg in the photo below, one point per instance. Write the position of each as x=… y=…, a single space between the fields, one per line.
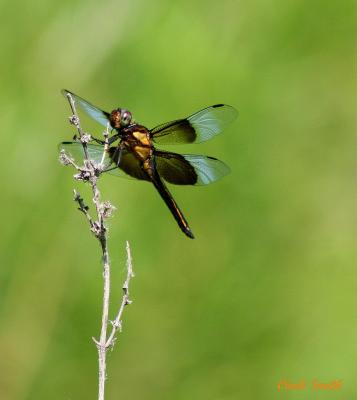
x=114 y=138
x=99 y=141
x=111 y=140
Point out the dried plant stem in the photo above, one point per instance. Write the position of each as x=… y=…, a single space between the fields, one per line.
x=102 y=349
x=125 y=300
x=90 y=172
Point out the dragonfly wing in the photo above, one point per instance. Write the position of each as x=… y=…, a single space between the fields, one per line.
x=198 y=127
x=94 y=112
x=75 y=151
x=189 y=169
x=179 y=169
x=129 y=165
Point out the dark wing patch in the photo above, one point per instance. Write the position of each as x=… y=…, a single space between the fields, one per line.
x=174 y=132
x=189 y=169
x=174 y=168
x=129 y=165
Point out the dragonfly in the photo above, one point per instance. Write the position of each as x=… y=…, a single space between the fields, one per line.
x=132 y=153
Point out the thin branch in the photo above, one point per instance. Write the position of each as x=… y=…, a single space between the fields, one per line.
x=74 y=120
x=82 y=207
x=91 y=172
x=117 y=323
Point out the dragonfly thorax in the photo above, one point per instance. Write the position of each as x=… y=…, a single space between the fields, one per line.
x=137 y=135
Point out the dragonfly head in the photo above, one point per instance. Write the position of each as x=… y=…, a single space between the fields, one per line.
x=120 y=118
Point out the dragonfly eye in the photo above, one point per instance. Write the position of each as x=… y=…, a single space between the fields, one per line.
x=115 y=119
x=125 y=118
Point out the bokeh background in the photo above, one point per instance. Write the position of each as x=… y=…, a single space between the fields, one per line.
x=267 y=290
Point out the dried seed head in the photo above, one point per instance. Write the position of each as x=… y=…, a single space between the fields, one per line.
x=82 y=176
x=74 y=120
x=107 y=209
x=64 y=159
x=86 y=138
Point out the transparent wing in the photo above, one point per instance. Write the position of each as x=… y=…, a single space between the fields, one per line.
x=197 y=128
x=94 y=112
x=74 y=150
x=189 y=169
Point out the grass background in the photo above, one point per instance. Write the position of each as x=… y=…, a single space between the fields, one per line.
x=267 y=290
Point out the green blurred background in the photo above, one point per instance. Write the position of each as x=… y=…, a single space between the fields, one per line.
x=267 y=290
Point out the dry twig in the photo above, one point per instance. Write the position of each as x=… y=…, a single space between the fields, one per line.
x=90 y=172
